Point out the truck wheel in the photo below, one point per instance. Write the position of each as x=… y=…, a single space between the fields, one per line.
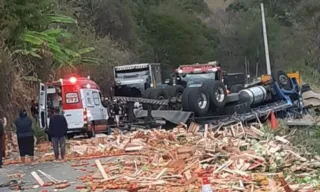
x=185 y=99
x=236 y=88
x=175 y=91
x=146 y=95
x=217 y=93
x=199 y=101
x=283 y=80
x=158 y=94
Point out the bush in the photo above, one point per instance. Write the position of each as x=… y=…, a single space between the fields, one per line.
x=39 y=133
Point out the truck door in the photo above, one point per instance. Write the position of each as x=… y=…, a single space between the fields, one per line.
x=43 y=106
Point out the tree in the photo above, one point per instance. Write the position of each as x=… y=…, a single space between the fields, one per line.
x=177 y=37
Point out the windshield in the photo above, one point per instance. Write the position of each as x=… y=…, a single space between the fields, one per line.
x=131 y=73
x=194 y=76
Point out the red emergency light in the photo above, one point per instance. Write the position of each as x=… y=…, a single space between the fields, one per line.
x=73 y=79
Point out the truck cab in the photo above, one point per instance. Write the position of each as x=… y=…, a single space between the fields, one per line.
x=79 y=100
x=194 y=75
x=132 y=80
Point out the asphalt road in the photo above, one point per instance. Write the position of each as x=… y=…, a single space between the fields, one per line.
x=61 y=171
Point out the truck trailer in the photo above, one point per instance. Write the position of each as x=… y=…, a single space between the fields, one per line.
x=202 y=91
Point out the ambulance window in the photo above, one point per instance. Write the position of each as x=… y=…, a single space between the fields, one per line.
x=96 y=98
x=72 y=98
x=89 y=100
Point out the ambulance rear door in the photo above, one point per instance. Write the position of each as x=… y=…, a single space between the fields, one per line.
x=43 y=106
x=92 y=103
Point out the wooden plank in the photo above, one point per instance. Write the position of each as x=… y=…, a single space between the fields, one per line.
x=37 y=178
x=101 y=169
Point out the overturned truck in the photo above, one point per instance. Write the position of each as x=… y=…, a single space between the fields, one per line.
x=206 y=93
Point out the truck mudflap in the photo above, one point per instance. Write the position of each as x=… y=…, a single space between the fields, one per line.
x=174 y=117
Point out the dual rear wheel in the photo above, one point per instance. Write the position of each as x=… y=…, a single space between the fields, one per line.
x=212 y=94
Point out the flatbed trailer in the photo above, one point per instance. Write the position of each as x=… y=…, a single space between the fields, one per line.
x=284 y=102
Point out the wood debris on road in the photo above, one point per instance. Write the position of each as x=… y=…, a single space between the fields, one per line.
x=234 y=158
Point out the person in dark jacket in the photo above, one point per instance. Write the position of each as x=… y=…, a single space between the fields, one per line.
x=25 y=135
x=1 y=141
x=58 y=128
x=34 y=110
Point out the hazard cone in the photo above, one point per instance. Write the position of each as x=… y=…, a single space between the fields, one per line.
x=206 y=186
x=274 y=121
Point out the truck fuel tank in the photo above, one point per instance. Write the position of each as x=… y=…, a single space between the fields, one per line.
x=254 y=95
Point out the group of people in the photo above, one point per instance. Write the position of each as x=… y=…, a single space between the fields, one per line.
x=58 y=128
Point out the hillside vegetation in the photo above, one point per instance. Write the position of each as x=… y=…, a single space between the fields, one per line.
x=41 y=40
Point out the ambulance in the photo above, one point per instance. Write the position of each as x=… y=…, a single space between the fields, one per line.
x=79 y=100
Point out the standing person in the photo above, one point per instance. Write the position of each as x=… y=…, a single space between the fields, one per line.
x=34 y=110
x=3 y=138
x=58 y=128
x=1 y=141
x=25 y=135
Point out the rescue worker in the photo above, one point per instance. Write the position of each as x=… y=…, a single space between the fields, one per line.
x=25 y=136
x=58 y=128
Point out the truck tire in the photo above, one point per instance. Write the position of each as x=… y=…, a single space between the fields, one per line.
x=175 y=91
x=236 y=88
x=283 y=80
x=157 y=94
x=199 y=101
x=146 y=95
x=185 y=99
x=217 y=93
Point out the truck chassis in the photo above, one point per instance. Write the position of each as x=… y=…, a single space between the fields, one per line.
x=284 y=102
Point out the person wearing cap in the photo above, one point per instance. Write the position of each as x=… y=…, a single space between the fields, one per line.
x=25 y=137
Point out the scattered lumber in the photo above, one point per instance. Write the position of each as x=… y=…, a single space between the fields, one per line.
x=235 y=158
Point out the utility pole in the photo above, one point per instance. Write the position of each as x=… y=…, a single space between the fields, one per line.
x=266 y=47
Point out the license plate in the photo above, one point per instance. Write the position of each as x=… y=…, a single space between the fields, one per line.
x=161 y=122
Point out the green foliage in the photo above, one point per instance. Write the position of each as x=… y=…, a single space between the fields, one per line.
x=173 y=36
x=31 y=15
x=38 y=132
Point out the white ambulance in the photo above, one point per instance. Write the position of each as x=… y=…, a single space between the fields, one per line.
x=79 y=100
